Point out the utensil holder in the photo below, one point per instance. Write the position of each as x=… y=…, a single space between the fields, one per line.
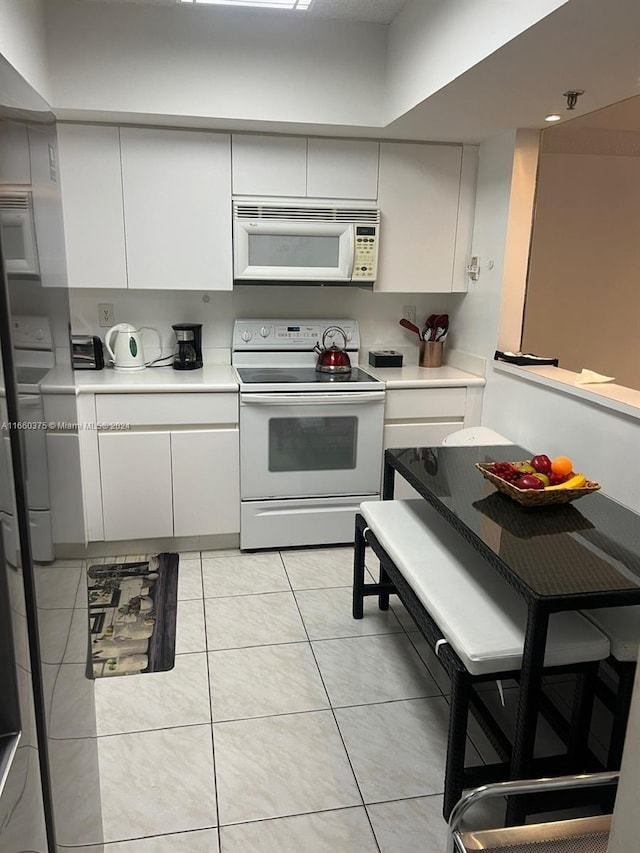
x=431 y=353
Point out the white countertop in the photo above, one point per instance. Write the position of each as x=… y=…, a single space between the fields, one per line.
x=212 y=378
x=412 y=376
x=216 y=378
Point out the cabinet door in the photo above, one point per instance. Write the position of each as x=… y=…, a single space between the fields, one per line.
x=419 y=187
x=135 y=473
x=342 y=168
x=177 y=207
x=269 y=165
x=91 y=186
x=206 y=482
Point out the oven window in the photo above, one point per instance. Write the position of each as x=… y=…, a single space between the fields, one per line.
x=312 y=444
x=288 y=250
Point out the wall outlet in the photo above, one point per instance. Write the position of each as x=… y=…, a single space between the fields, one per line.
x=409 y=313
x=106 y=316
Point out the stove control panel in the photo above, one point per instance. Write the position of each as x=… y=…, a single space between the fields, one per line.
x=292 y=334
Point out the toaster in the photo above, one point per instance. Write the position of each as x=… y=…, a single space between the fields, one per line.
x=86 y=352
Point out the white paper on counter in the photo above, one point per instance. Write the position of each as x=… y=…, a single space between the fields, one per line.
x=588 y=376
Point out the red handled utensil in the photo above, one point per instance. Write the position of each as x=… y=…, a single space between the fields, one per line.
x=407 y=324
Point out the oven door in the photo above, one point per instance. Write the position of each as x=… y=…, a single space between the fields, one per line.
x=310 y=444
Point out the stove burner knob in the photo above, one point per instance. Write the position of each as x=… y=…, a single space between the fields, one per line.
x=246 y=336
x=264 y=331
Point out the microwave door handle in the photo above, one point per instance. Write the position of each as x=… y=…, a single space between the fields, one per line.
x=352 y=250
x=333 y=399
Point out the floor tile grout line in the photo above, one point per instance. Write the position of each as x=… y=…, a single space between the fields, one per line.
x=139 y=838
x=340 y=735
x=306 y=814
x=329 y=707
x=212 y=730
x=97 y=737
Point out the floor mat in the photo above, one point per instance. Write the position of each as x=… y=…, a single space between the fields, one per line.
x=132 y=616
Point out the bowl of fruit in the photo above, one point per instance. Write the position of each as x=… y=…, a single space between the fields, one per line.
x=539 y=481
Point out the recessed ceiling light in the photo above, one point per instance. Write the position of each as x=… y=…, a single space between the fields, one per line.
x=301 y=5
x=553 y=117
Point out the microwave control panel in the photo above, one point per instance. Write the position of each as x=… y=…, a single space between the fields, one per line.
x=365 y=255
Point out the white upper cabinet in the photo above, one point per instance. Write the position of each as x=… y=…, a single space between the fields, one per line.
x=269 y=165
x=177 y=208
x=146 y=208
x=291 y=166
x=91 y=186
x=342 y=168
x=426 y=195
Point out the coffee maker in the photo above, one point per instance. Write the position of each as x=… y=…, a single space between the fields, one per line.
x=188 y=354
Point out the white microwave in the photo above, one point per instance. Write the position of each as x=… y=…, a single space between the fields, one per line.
x=18 y=234
x=309 y=243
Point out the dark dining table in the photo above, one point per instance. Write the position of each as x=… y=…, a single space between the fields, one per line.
x=575 y=556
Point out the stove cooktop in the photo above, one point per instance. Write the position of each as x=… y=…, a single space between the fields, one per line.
x=304 y=379
x=300 y=375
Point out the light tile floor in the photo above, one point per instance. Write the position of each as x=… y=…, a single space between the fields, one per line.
x=285 y=726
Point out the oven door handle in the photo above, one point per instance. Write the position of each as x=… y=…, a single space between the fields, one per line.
x=333 y=399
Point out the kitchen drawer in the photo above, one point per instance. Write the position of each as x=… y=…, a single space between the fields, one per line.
x=423 y=403
x=418 y=435
x=167 y=409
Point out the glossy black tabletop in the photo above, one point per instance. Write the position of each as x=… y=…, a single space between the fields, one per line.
x=587 y=550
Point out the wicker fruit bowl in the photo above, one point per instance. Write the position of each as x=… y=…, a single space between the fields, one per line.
x=536 y=497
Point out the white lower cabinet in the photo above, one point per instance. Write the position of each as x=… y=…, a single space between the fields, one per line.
x=422 y=417
x=206 y=483
x=175 y=472
x=135 y=476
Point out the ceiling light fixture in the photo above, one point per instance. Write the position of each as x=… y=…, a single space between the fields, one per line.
x=553 y=117
x=301 y=5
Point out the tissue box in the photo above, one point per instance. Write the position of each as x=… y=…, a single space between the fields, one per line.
x=385 y=358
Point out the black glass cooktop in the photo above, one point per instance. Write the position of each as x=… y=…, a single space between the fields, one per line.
x=300 y=376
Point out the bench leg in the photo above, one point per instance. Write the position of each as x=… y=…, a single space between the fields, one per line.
x=456 y=741
x=383 y=598
x=358 y=574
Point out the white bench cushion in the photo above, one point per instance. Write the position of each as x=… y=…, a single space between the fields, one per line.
x=622 y=627
x=479 y=614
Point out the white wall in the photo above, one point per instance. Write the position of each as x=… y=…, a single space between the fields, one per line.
x=377 y=313
x=624 y=830
x=433 y=43
x=582 y=301
x=601 y=442
x=195 y=61
x=22 y=41
x=475 y=324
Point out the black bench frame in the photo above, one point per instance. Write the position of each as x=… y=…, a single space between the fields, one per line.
x=464 y=697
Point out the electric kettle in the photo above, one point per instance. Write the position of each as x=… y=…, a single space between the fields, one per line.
x=127 y=352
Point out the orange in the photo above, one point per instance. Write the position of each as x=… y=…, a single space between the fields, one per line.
x=562 y=465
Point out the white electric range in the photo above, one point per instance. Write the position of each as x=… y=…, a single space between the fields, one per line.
x=310 y=442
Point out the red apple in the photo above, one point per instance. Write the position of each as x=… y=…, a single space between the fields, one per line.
x=528 y=481
x=541 y=463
